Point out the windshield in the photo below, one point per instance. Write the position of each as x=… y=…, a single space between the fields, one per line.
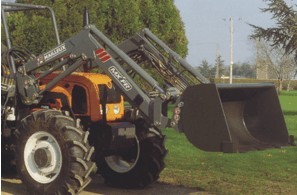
x=113 y=96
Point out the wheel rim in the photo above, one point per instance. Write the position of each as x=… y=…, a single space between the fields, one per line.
x=43 y=157
x=121 y=165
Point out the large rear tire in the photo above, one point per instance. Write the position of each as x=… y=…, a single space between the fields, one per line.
x=53 y=154
x=140 y=166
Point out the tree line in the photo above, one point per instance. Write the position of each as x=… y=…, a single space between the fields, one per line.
x=117 y=19
x=220 y=70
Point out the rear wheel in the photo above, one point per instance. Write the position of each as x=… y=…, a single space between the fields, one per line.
x=137 y=167
x=53 y=156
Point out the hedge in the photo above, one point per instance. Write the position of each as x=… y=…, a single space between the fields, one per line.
x=293 y=84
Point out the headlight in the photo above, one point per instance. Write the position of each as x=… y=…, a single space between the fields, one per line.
x=116 y=109
x=101 y=111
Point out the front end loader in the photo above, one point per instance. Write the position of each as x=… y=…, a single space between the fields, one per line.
x=214 y=117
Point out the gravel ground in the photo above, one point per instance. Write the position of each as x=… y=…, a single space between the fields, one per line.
x=14 y=186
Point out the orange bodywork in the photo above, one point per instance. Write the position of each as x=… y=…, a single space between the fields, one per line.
x=83 y=94
x=57 y=103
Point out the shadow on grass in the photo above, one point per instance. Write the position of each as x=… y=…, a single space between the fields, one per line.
x=290 y=112
x=97 y=186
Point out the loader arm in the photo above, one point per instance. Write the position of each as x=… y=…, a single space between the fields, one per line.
x=89 y=49
x=145 y=46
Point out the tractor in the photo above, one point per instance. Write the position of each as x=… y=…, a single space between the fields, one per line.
x=58 y=117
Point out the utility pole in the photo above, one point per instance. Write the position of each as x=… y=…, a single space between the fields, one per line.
x=217 y=62
x=231 y=50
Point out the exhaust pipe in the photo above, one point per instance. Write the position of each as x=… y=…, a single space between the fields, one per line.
x=233 y=117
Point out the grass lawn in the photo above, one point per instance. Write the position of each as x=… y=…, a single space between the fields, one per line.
x=271 y=171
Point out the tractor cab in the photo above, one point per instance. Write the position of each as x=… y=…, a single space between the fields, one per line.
x=85 y=94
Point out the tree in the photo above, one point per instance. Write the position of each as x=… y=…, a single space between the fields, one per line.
x=275 y=62
x=163 y=18
x=219 y=64
x=30 y=31
x=244 y=70
x=284 y=35
x=118 y=19
x=206 y=69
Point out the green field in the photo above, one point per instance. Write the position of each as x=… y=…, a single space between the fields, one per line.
x=271 y=171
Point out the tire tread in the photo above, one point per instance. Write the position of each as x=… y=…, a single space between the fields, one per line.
x=73 y=177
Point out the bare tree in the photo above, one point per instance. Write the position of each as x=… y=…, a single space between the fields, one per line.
x=276 y=62
x=284 y=34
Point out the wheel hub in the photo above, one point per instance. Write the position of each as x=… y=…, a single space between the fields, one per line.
x=42 y=157
x=120 y=164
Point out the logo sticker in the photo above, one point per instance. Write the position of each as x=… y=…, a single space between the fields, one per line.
x=102 y=55
x=53 y=53
x=119 y=77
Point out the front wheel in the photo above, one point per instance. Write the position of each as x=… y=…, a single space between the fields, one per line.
x=53 y=156
x=137 y=167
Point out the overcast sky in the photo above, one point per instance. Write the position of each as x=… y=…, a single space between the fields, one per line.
x=207 y=28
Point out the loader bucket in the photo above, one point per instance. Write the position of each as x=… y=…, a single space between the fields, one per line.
x=233 y=117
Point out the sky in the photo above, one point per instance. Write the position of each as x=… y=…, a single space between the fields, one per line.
x=208 y=28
